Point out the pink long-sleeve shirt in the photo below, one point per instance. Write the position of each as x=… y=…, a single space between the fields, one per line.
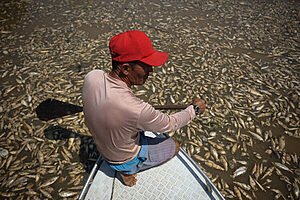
x=114 y=116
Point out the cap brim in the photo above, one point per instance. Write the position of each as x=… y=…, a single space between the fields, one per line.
x=156 y=59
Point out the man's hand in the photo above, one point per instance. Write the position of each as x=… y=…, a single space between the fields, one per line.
x=200 y=103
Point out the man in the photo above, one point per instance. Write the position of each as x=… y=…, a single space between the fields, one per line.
x=116 y=118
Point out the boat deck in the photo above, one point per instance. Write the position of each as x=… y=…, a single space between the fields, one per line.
x=179 y=178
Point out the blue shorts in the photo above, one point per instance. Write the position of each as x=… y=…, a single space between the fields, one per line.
x=153 y=152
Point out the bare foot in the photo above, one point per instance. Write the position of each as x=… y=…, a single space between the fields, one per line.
x=129 y=179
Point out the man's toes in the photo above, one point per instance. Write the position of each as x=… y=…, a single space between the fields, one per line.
x=134 y=181
x=131 y=182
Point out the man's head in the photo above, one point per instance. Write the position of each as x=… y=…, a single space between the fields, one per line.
x=133 y=56
x=133 y=73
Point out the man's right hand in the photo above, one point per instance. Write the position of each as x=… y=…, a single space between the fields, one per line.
x=200 y=103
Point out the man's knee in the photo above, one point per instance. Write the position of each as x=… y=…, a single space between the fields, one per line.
x=177 y=147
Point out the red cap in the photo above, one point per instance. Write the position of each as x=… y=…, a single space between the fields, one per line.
x=135 y=45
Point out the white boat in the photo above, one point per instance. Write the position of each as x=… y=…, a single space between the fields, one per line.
x=179 y=178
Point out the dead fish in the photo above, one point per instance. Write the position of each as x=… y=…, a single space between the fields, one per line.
x=3 y=152
x=242 y=185
x=67 y=152
x=67 y=194
x=213 y=165
x=279 y=193
x=230 y=139
x=234 y=148
x=242 y=122
x=46 y=194
x=281 y=144
x=242 y=162
x=40 y=157
x=239 y=171
x=31 y=193
x=199 y=158
x=252 y=183
x=9 y=160
x=237 y=192
x=49 y=182
x=8 y=194
x=296 y=190
x=256 y=136
x=282 y=166
x=140 y=92
x=246 y=194
x=268 y=172
x=252 y=91
x=224 y=162
x=214 y=153
x=172 y=99
x=230 y=193
x=218 y=146
x=260 y=107
x=259 y=185
x=267 y=114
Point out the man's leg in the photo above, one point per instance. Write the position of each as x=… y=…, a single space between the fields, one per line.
x=130 y=179
x=160 y=150
x=177 y=146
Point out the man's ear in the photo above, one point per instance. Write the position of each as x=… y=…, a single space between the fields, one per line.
x=125 y=68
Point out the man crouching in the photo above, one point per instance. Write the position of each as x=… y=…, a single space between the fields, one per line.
x=117 y=118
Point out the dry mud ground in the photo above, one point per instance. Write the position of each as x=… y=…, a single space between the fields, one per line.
x=242 y=57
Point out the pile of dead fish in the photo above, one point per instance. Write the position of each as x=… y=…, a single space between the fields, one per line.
x=242 y=60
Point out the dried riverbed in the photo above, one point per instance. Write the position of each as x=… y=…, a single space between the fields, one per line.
x=242 y=57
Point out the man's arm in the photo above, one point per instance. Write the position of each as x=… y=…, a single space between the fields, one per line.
x=156 y=121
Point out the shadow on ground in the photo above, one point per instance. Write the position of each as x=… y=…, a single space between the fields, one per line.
x=88 y=153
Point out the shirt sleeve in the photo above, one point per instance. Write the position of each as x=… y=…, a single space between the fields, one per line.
x=156 y=121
